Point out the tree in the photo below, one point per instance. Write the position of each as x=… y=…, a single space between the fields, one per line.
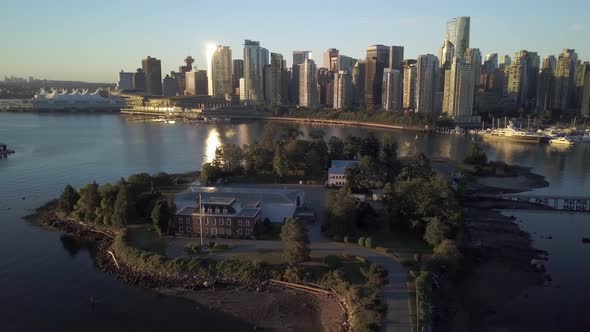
x=370 y=146
x=210 y=173
x=161 y=216
x=368 y=172
x=162 y=179
x=140 y=182
x=417 y=167
x=335 y=148
x=353 y=179
x=388 y=159
x=108 y=196
x=280 y=162
x=476 y=156
x=341 y=213
x=296 y=242
x=313 y=163
x=436 y=231
x=67 y=201
x=122 y=207
x=229 y=158
x=88 y=203
x=447 y=249
x=317 y=134
x=352 y=147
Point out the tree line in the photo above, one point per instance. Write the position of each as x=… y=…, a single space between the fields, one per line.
x=132 y=200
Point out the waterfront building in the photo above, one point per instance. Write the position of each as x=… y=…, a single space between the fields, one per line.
x=585 y=107
x=358 y=82
x=153 y=71
x=409 y=84
x=545 y=89
x=337 y=172
x=458 y=34
x=325 y=80
x=380 y=53
x=197 y=83
x=181 y=74
x=373 y=80
x=392 y=89
x=275 y=79
x=533 y=62
x=255 y=59
x=473 y=57
x=446 y=54
x=342 y=90
x=308 y=90
x=426 y=83
x=459 y=92
x=550 y=62
x=234 y=211
x=221 y=72
x=329 y=55
x=299 y=57
x=170 y=86
x=517 y=76
x=237 y=73
x=583 y=70
x=139 y=80
x=75 y=101
x=125 y=81
x=565 y=79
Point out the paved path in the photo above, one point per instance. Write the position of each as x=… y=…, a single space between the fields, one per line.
x=395 y=292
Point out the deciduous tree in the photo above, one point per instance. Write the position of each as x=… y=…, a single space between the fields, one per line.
x=296 y=243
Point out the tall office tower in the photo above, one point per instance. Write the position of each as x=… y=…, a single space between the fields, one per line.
x=170 y=86
x=533 y=62
x=237 y=73
x=188 y=64
x=221 y=72
x=358 y=82
x=330 y=54
x=255 y=58
x=373 y=81
x=446 y=54
x=491 y=61
x=285 y=83
x=565 y=79
x=583 y=70
x=197 y=83
x=342 y=90
x=275 y=79
x=308 y=87
x=545 y=89
x=549 y=62
x=153 y=72
x=325 y=80
x=396 y=57
x=585 y=108
x=473 y=57
x=517 y=79
x=139 y=80
x=294 y=85
x=459 y=91
x=299 y=57
x=426 y=83
x=392 y=89
x=342 y=62
x=180 y=76
x=379 y=52
x=125 y=81
x=458 y=34
x=409 y=84
x=506 y=61
x=497 y=83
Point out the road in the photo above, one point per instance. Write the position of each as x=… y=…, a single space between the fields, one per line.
x=394 y=293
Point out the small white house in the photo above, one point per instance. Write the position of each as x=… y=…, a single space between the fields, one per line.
x=337 y=172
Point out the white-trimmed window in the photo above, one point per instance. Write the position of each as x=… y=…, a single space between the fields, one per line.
x=181 y=229
x=213 y=221
x=228 y=231
x=221 y=231
x=206 y=221
x=239 y=222
x=224 y=211
x=239 y=232
x=228 y=221
x=214 y=231
x=247 y=232
x=247 y=222
x=206 y=230
x=216 y=210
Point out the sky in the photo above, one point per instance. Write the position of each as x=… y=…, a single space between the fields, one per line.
x=94 y=40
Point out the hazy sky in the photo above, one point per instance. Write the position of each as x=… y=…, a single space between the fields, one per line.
x=93 y=40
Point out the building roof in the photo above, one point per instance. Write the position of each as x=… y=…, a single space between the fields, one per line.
x=217 y=200
x=340 y=166
x=66 y=95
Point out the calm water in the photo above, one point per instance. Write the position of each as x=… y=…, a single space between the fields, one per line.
x=45 y=287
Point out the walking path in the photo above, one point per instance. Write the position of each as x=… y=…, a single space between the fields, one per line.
x=395 y=292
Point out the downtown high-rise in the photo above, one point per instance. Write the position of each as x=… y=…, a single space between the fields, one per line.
x=221 y=72
x=152 y=68
x=565 y=72
x=308 y=87
x=459 y=91
x=426 y=83
x=342 y=89
x=255 y=60
x=392 y=89
x=458 y=34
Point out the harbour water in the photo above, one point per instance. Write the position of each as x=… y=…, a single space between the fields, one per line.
x=45 y=285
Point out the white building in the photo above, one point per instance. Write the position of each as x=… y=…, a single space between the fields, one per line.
x=75 y=100
x=221 y=72
x=392 y=90
x=125 y=81
x=426 y=83
x=337 y=172
x=459 y=89
x=308 y=86
x=342 y=89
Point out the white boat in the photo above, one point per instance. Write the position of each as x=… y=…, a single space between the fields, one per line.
x=561 y=141
x=514 y=134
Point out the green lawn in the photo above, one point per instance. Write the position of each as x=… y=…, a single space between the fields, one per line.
x=146 y=238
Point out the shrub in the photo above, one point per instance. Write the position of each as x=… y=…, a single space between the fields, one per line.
x=369 y=242
x=346 y=239
x=333 y=262
x=361 y=241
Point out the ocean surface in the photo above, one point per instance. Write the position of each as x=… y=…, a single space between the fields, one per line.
x=45 y=284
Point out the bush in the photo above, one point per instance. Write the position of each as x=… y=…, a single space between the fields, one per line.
x=333 y=262
x=346 y=239
x=369 y=242
x=361 y=241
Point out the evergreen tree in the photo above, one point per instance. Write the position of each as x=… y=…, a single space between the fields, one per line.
x=88 y=203
x=335 y=148
x=370 y=146
x=161 y=216
x=388 y=158
x=108 y=196
x=280 y=162
x=121 y=210
x=296 y=243
x=67 y=201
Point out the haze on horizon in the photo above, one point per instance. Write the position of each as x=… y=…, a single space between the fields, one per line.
x=91 y=41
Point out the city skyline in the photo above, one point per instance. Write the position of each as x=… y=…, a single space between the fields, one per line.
x=93 y=44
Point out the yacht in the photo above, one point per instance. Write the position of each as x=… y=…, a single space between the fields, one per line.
x=562 y=141
x=513 y=134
